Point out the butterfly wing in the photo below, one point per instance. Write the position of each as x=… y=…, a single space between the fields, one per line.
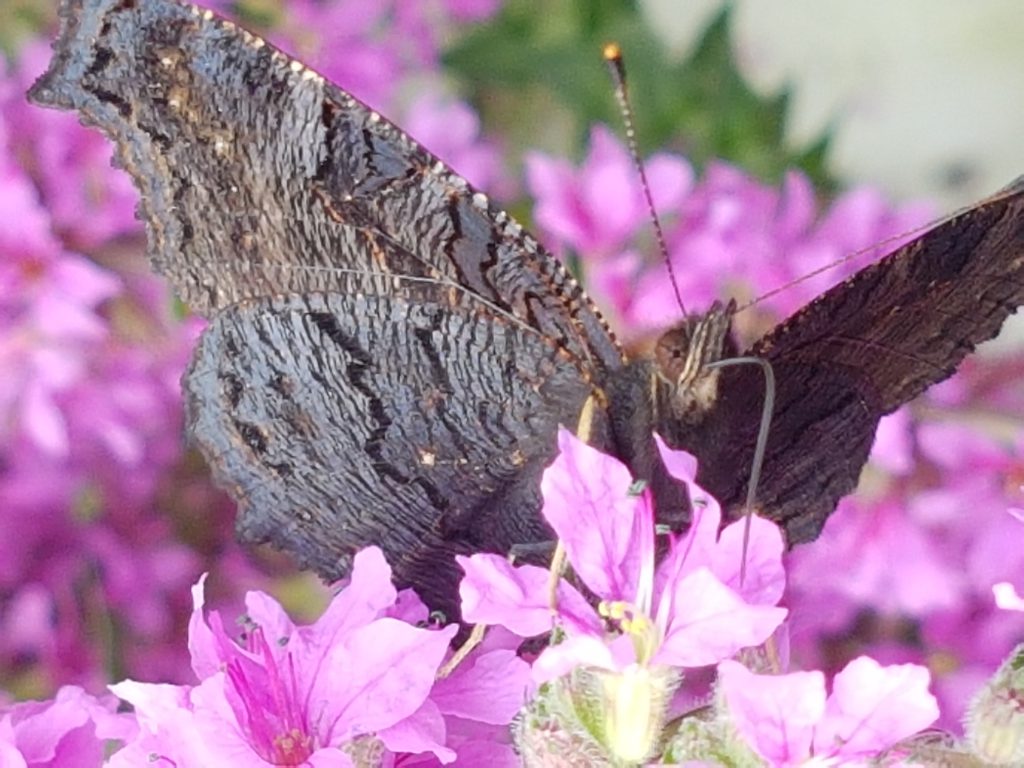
x=260 y=178
x=389 y=356
x=858 y=352
x=341 y=421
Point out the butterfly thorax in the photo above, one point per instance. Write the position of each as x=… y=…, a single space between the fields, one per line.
x=672 y=394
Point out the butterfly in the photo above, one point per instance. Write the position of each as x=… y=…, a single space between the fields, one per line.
x=389 y=355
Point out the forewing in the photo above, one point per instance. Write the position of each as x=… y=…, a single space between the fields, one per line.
x=858 y=352
x=258 y=177
x=907 y=321
x=340 y=421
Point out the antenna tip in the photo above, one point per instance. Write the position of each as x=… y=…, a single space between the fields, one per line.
x=612 y=52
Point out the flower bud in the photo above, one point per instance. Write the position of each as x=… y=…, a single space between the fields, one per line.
x=994 y=723
x=598 y=717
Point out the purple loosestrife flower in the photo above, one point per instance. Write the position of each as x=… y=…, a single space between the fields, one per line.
x=99 y=496
x=336 y=693
x=787 y=720
x=727 y=234
x=688 y=611
x=48 y=318
x=618 y=665
x=370 y=48
x=90 y=417
x=479 y=700
x=89 y=201
x=597 y=209
x=89 y=439
x=451 y=129
x=1006 y=595
x=349 y=42
x=69 y=731
x=931 y=558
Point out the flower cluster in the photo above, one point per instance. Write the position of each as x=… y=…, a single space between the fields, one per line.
x=727 y=235
x=680 y=658
x=90 y=415
x=366 y=684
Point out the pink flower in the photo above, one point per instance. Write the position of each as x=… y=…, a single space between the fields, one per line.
x=892 y=564
x=369 y=47
x=598 y=208
x=70 y=731
x=683 y=613
x=419 y=29
x=89 y=201
x=451 y=129
x=290 y=695
x=727 y=234
x=1005 y=594
x=57 y=326
x=787 y=719
x=341 y=40
x=611 y=672
x=479 y=701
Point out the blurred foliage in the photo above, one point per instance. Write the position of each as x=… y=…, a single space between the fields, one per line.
x=20 y=19
x=537 y=68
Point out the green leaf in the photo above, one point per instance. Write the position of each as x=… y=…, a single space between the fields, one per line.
x=536 y=72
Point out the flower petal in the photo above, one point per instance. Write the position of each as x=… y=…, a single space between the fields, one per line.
x=762 y=579
x=775 y=714
x=494 y=591
x=378 y=675
x=1006 y=597
x=709 y=622
x=423 y=731
x=368 y=593
x=587 y=501
x=489 y=687
x=872 y=707
x=583 y=651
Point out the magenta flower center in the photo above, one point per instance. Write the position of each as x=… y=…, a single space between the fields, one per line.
x=268 y=705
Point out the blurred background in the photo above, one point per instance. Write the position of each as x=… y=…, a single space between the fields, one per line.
x=780 y=136
x=920 y=98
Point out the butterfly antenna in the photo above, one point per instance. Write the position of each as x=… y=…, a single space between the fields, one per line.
x=613 y=58
x=900 y=237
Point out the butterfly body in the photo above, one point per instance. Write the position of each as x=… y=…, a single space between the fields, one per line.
x=389 y=356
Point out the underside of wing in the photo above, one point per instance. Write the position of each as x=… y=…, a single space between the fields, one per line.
x=389 y=355
x=861 y=350
x=260 y=178
x=906 y=322
x=344 y=421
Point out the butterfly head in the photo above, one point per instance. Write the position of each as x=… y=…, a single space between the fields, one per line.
x=681 y=357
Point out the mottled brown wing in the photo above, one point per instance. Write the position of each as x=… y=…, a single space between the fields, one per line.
x=858 y=352
x=389 y=356
x=260 y=178
x=343 y=421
